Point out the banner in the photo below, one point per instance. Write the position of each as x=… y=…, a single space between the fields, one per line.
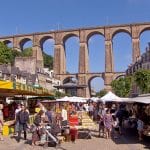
x=6 y=85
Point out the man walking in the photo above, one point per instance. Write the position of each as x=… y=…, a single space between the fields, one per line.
x=23 y=118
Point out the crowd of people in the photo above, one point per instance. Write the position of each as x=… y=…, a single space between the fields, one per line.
x=114 y=116
x=110 y=118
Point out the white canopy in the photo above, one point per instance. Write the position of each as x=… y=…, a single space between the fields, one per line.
x=64 y=99
x=141 y=99
x=73 y=99
x=77 y=99
x=111 y=97
x=95 y=99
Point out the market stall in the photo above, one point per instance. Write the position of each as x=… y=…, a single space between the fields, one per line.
x=141 y=107
x=110 y=97
x=10 y=89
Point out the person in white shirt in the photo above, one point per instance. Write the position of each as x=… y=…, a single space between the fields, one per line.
x=16 y=121
x=91 y=108
x=86 y=107
x=64 y=116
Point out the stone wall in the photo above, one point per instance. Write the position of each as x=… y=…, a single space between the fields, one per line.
x=26 y=64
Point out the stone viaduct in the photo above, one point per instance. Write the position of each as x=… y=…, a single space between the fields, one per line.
x=83 y=76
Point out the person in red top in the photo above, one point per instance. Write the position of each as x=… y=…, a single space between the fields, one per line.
x=6 y=111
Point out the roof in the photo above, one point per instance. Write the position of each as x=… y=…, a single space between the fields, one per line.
x=70 y=85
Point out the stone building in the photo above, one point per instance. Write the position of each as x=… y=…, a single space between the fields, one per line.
x=12 y=73
x=45 y=77
x=51 y=81
x=143 y=62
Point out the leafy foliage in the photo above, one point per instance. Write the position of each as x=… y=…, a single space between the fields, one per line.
x=101 y=93
x=27 y=52
x=48 y=61
x=6 y=55
x=142 y=79
x=122 y=86
x=59 y=94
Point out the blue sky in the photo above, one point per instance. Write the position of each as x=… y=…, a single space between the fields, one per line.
x=28 y=16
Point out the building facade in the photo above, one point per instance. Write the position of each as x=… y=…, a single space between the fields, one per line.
x=143 y=62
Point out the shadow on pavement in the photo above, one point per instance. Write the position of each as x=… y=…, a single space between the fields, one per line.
x=130 y=136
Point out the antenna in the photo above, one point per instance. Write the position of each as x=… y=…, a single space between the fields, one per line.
x=58 y=26
x=107 y=20
x=17 y=30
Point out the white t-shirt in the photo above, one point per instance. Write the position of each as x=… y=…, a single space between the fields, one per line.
x=17 y=110
x=91 y=107
x=86 y=107
x=64 y=115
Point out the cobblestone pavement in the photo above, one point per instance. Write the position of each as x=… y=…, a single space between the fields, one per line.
x=123 y=143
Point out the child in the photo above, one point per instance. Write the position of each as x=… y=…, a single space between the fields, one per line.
x=115 y=126
x=140 y=125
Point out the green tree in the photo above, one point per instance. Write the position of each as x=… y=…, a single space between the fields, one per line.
x=27 y=52
x=15 y=54
x=142 y=80
x=59 y=94
x=101 y=93
x=48 y=61
x=122 y=86
x=6 y=55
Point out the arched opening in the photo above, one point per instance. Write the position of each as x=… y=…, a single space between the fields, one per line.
x=72 y=54
x=8 y=43
x=96 y=84
x=96 y=47
x=47 y=45
x=26 y=45
x=120 y=76
x=70 y=86
x=122 y=50
x=144 y=41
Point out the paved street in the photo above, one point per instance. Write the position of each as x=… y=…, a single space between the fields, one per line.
x=125 y=142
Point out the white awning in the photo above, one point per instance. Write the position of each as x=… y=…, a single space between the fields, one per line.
x=73 y=99
x=141 y=99
x=111 y=97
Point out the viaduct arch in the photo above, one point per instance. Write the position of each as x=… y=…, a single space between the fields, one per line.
x=83 y=75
